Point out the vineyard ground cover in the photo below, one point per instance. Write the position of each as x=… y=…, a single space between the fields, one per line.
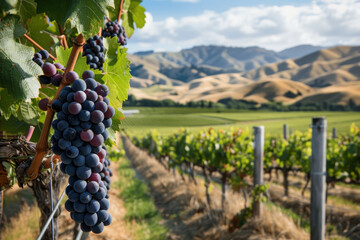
x=183 y=206
x=167 y=120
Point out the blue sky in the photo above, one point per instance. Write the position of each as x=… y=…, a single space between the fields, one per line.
x=173 y=25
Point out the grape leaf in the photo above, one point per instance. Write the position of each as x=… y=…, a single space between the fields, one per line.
x=134 y=14
x=17 y=127
x=27 y=113
x=25 y=9
x=85 y=15
x=36 y=26
x=17 y=71
x=117 y=72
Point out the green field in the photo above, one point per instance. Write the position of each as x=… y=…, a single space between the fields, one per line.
x=168 y=120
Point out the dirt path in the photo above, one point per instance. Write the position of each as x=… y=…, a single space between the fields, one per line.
x=116 y=231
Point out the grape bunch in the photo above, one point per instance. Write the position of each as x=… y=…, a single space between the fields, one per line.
x=53 y=74
x=114 y=29
x=83 y=114
x=94 y=52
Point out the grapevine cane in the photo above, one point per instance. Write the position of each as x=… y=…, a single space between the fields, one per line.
x=37 y=45
x=42 y=145
x=121 y=11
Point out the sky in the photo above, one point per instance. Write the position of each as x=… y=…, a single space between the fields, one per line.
x=173 y=25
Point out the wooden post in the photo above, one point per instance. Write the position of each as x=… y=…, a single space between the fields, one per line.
x=285 y=131
x=318 y=178
x=258 y=164
x=334 y=133
x=1 y=205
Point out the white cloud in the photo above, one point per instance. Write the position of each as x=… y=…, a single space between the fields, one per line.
x=323 y=22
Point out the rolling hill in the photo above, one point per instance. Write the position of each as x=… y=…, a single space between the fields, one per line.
x=327 y=75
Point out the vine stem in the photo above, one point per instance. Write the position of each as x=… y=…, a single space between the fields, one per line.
x=121 y=11
x=63 y=41
x=37 y=45
x=42 y=145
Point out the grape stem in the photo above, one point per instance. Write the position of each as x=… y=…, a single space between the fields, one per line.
x=37 y=45
x=63 y=41
x=121 y=11
x=42 y=146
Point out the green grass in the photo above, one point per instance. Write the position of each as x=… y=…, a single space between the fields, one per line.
x=141 y=213
x=168 y=120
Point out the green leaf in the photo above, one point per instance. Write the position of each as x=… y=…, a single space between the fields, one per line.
x=134 y=15
x=36 y=26
x=85 y=15
x=62 y=56
x=117 y=73
x=17 y=70
x=28 y=114
x=25 y=9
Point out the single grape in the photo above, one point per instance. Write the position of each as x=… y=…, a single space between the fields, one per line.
x=71 y=76
x=92 y=187
x=90 y=219
x=95 y=177
x=87 y=135
x=86 y=125
x=70 y=97
x=63 y=95
x=100 y=194
x=64 y=108
x=56 y=80
x=72 y=152
x=49 y=69
x=88 y=74
x=93 y=206
x=85 y=228
x=62 y=125
x=103 y=215
x=85 y=150
x=74 y=108
x=88 y=105
x=92 y=95
x=102 y=153
x=83 y=172
x=97 y=116
x=105 y=134
x=85 y=115
x=43 y=104
x=44 y=79
x=79 y=161
x=39 y=62
x=73 y=120
x=98 y=168
x=64 y=144
x=65 y=159
x=80 y=96
x=69 y=206
x=78 y=85
x=108 y=221
x=70 y=169
x=97 y=140
x=79 y=206
x=107 y=122
x=69 y=134
x=78 y=217
x=37 y=55
x=44 y=54
x=98 y=128
x=92 y=160
x=110 y=112
x=85 y=197
x=58 y=65
x=101 y=106
x=98 y=228
x=80 y=186
x=73 y=196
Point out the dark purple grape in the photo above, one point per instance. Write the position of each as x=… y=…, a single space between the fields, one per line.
x=103 y=215
x=85 y=115
x=105 y=134
x=83 y=172
x=85 y=228
x=108 y=221
x=104 y=204
x=86 y=125
x=69 y=206
x=37 y=55
x=85 y=197
x=71 y=76
x=65 y=159
x=102 y=106
x=70 y=97
x=44 y=54
x=100 y=194
x=107 y=122
x=80 y=186
x=43 y=104
x=49 y=69
x=93 y=206
x=44 y=79
x=88 y=74
x=85 y=150
x=102 y=153
x=73 y=120
x=64 y=144
x=63 y=95
x=73 y=196
x=87 y=135
x=79 y=207
x=80 y=96
x=79 y=160
x=98 y=228
x=88 y=105
x=90 y=219
x=92 y=187
x=92 y=160
x=78 y=217
x=69 y=134
x=97 y=140
x=78 y=85
x=97 y=116
x=92 y=95
x=110 y=112
x=58 y=65
x=95 y=177
x=74 y=108
x=38 y=61
x=70 y=170
x=72 y=152
x=64 y=108
x=98 y=128
x=62 y=125
x=56 y=80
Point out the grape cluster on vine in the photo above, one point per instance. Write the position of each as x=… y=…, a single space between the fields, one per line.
x=53 y=74
x=83 y=114
x=114 y=29
x=94 y=51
